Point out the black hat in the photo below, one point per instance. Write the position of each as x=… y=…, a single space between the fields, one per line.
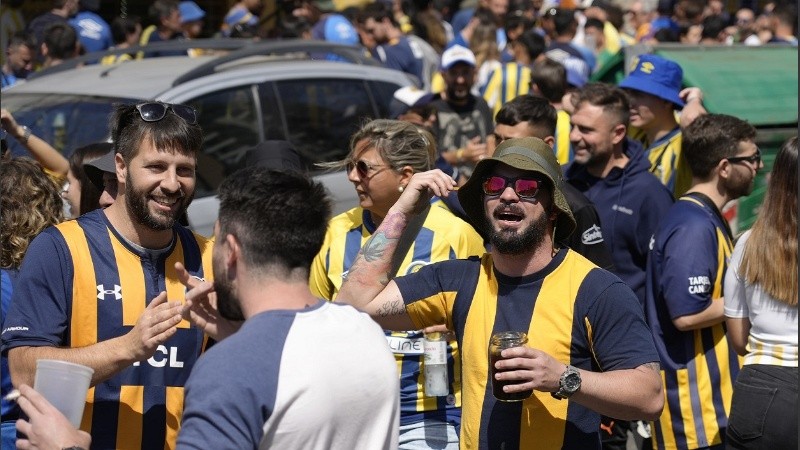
x=94 y=169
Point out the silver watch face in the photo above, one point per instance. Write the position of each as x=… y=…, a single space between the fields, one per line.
x=572 y=381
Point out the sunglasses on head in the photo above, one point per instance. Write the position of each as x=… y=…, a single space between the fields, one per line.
x=155 y=111
x=752 y=159
x=363 y=168
x=524 y=187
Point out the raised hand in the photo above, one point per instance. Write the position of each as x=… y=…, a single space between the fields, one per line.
x=201 y=306
x=155 y=326
x=420 y=188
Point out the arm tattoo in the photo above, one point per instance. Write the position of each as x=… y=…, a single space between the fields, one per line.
x=375 y=247
x=392 y=308
x=656 y=367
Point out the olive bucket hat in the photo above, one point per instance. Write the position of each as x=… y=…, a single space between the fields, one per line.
x=529 y=154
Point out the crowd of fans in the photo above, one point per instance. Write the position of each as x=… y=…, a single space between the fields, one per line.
x=631 y=179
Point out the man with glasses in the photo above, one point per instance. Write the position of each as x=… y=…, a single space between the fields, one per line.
x=95 y=290
x=685 y=268
x=589 y=351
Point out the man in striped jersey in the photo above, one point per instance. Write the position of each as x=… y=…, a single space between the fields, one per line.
x=94 y=290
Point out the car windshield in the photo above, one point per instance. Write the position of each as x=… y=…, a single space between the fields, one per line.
x=65 y=121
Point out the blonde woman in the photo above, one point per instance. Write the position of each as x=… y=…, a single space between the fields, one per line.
x=384 y=155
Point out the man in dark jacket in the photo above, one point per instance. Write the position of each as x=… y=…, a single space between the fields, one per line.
x=613 y=172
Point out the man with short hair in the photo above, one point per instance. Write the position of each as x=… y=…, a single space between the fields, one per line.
x=60 y=43
x=167 y=26
x=19 y=58
x=464 y=120
x=685 y=268
x=612 y=171
x=587 y=338
x=94 y=291
x=301 y=372
x=534 y=116
x=393 y=49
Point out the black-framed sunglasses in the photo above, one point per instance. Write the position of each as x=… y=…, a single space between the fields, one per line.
x=752 y=159
x=524 y=187
x=155 y=111
x=363 y=168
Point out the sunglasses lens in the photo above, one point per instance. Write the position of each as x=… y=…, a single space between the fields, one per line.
x=494 y=185
x=362 y=168
x=152 y=112
x=186 y=113
x=526 y=188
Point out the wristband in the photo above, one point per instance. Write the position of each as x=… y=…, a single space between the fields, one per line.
x=25 y=135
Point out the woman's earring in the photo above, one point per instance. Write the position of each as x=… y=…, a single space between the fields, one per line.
x=401 y=188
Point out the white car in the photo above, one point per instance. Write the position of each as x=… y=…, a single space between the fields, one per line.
x=313 y=94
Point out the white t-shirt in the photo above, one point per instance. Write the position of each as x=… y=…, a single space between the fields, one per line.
x=773 y=324
x=318 y=378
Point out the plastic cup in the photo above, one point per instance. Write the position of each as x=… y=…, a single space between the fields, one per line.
x=64 y=385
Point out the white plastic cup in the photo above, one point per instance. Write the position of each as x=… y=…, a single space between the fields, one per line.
x=64 y=385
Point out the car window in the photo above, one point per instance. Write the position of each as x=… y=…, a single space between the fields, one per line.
x=229 y=119
x=384 y=93
x=65 y=121
x=322 y=114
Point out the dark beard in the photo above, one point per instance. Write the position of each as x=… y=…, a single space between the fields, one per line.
x=137 y=205
x=510 y=243
x=227 y=304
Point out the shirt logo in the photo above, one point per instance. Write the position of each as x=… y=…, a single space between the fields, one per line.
x=622 y=209
x=415 y=266
x=647 y=67
x=699 y=285
x=592 y=235
x=102 y=292
x=405 y=346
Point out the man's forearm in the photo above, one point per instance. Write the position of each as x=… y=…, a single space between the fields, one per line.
x=631 y=394
x=107 y=358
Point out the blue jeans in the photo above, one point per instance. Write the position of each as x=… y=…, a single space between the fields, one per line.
x=764 y=409
x=428 y=434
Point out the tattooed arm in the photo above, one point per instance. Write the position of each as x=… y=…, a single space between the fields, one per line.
x=367 y=285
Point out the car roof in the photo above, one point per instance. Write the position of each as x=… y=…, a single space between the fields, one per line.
x=134 y=79
x=151 y=77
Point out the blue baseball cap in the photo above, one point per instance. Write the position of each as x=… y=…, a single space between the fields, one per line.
x=656 y=76
x=190 y=12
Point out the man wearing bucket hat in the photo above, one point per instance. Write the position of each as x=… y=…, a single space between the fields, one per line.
x=654 y=88
x=588 y=339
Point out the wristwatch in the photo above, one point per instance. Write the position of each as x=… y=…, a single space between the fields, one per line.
x=568 y=384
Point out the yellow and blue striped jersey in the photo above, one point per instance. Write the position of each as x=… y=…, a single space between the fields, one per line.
x=82 y=283
x=572 y=310
x=506 y=83
x=442 y=236
x=562 y=146
x=666 y=160
x=685 y=272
